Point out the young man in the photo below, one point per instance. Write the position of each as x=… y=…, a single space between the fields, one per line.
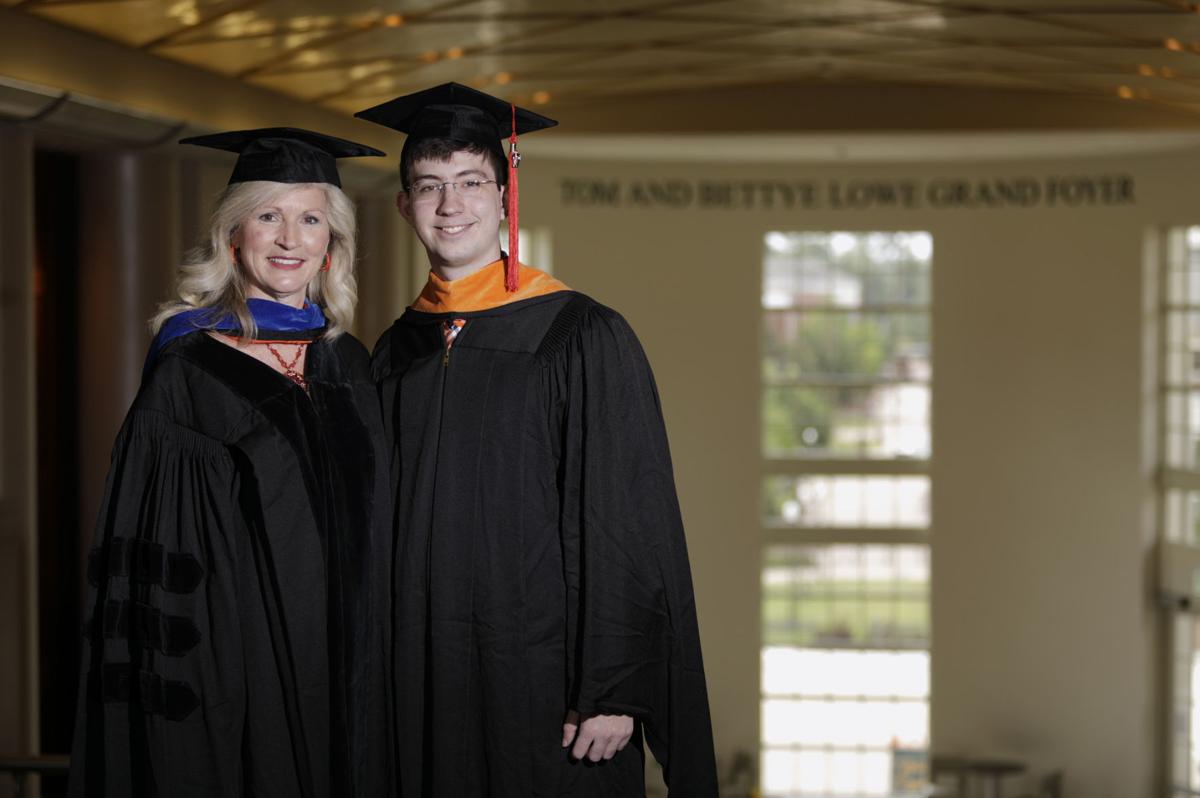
x=545 y=615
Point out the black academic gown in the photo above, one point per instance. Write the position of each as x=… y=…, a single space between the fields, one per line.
x=238 y=634
x=541 y=558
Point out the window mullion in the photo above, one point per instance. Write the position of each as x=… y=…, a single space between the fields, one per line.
x=861 y=536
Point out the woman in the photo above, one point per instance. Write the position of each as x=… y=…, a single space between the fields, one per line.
x=236 y=644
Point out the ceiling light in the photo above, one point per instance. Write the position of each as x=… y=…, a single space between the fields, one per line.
x=1146 y=70
x=429 y=56
x=309 y=57
x=503 y=78
x=393 y=20
x=1173 y=44
x=454 y=52
x=541 y=97
x=1124 y=92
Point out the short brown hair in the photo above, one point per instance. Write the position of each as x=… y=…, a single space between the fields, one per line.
x=435 y=149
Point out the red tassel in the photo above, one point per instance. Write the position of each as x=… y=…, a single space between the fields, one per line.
x=512 y=270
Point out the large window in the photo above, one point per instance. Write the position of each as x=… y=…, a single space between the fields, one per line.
x=1180 y=480
x=846 y=371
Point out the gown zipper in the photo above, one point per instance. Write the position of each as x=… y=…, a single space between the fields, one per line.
x=457 y=337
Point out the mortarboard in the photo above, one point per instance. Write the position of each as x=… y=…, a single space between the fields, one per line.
x=460 y=113
x=283 y=154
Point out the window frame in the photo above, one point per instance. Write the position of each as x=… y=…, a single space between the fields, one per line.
x=776 y=534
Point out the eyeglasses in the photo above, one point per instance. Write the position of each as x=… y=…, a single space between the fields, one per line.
x=431 y=191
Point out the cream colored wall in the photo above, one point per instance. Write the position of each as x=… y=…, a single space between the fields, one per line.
x=1044 y=637
x=1044 y=643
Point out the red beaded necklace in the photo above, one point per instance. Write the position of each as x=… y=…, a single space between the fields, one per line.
x=289 y=369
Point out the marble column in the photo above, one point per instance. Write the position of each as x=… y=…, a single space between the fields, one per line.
x=18 y=449
x=129 y=250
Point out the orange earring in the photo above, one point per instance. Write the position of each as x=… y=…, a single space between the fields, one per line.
x=328 y=260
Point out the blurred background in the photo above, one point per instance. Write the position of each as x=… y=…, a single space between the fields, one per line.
x=919 y=279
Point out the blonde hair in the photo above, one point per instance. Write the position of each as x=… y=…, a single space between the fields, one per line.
x=209 y=277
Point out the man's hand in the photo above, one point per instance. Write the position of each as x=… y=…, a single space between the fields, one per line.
x=598 y=737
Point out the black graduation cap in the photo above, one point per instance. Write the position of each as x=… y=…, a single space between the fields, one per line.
x=455 y=111
x=460 y=113
x=284 y=154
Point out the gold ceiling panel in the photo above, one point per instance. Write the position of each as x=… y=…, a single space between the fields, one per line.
x=996 y=59
x=235 y=58
x=629 y=66
x=133 y=22
x=594 y=9
x=423 y=38
x=283 y=9
x=1182 y=61
x=314 y=86
x=828 y=42
x=250 y=24
x=784 y=10
x=1167 y=91
x=1136 y=26
x=624 y=33
x=1081 y=7
x=996 y=28
x=345 y=55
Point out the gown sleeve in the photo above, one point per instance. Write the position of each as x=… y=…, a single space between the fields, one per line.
x=162 y=694
x=633 y=639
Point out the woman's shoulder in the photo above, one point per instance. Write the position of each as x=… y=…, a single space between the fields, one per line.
x=349 y=346
x=181 y=359
x=156 y=427
x=192 y=382
x=351 y=355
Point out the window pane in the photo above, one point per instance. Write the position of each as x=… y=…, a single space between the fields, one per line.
x=1181 y=515
x=826 y=500
x=1181 y=426
x=1185 y=707
x=1183 y=348
x=846 y=270
x=845 y=670
x=830 y=772
x=851 y=723
x=841 y=346
x=846 y=422
x=844 y=673
x=846 y=374
x=846 y=597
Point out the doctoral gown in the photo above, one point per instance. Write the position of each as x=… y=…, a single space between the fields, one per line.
x=541 y=560
x=237 y=642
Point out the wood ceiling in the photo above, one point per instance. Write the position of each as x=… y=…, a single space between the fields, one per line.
x=349 y=55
